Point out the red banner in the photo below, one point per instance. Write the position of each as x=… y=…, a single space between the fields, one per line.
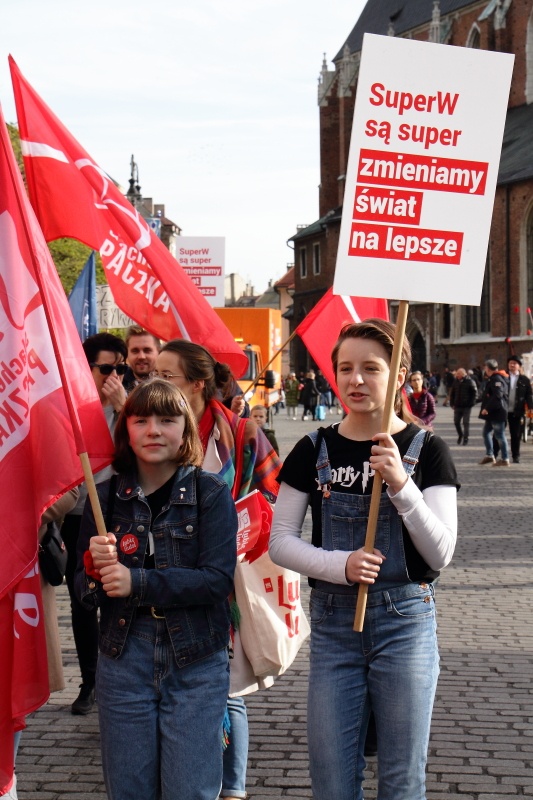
x=321 y=327
x=49 y=412
x=72 y=196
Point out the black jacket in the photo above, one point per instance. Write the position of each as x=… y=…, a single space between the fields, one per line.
x=463 y=393
x=523 y=396
x=495 y=398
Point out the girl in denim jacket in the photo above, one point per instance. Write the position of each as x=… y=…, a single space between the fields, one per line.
x=390 y=668
x=161 y=577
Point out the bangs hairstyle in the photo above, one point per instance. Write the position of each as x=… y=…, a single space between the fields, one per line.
x=162 y=399
x=381 y=331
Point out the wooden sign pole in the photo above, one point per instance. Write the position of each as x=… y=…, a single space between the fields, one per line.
x=386 y=425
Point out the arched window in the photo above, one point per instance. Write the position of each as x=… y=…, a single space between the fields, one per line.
x=476 y=319
x=474 y=38
x=529 y=60
x=529 y=261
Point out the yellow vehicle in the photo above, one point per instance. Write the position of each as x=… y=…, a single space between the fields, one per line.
x=258 y=331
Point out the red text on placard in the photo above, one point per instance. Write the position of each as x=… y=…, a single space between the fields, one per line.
x=404 y=244
x=408 y=171
x=387 y=205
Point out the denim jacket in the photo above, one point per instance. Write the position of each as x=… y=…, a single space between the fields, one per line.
x=195 y=553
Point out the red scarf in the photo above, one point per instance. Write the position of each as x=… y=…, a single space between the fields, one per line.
x=205 y=426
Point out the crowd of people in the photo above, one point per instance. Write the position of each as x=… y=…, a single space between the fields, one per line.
x=152 y=604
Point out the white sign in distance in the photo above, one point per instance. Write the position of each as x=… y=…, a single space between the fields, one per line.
x=109 y=314
x=203 y=259
x=422 y=170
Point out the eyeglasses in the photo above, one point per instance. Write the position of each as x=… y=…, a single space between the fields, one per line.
x=107 y=369
x=166 y=376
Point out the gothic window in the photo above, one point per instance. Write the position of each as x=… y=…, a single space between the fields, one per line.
x=476 y=319
x=529 y=263
x=529 y=60
x=474 y=38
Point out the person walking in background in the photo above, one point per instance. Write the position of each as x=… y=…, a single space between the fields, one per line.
x=421 y=401
x=463 y=396
x=448 y=380
x=161 y=577
x=520 y=397
x=494 y=407
x=391 y=668
x=325 y=390
x=309 y=396
x=291 y=394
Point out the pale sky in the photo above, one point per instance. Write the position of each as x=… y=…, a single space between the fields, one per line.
x=216 y=100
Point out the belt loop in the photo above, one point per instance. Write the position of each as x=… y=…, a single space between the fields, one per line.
x=329 y=604
x=388 y=601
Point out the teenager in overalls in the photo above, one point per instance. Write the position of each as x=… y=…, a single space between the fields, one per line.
x=391 y=668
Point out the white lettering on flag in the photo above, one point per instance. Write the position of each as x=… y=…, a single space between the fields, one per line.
x=28 y=367
x=43 y=150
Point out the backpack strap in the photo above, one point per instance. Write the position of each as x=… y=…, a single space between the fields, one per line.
x=323 y=466
x=411 y=458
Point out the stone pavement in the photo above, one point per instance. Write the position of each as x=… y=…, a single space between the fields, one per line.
x=482 y=735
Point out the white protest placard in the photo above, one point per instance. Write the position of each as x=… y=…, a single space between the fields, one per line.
x=203 y=259
x=422 y=169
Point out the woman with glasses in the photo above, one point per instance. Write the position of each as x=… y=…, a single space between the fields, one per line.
x=106 y=355
x=202 y=380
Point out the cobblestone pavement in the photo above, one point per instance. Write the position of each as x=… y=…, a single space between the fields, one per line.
x=482 y=735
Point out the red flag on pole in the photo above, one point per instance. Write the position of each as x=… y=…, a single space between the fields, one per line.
x=320 y=329
x=73 y=197
x=49 y=412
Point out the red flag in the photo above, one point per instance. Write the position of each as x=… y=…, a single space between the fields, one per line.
x=321 y=327
x=49 y=412
x=73 y=197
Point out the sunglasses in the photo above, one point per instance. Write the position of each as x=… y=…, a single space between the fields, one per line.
x=107 y=369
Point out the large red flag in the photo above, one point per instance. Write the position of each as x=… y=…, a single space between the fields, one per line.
x=320 y=328
x=73 y=197
x=49 y=412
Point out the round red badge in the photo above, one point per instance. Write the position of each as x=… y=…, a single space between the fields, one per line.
x=129 y=543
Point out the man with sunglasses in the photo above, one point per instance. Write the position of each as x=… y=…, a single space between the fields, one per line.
x=106 y=355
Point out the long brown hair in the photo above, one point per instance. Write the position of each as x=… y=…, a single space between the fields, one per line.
x=161 y=398
x=381 y=331
x=198 y=364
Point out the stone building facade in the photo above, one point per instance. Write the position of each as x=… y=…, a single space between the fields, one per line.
x=441 y=335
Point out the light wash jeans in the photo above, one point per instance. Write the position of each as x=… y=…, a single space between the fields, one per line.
x=161 y=726
x=236 y=754
x=392 y=667
x=499 y=432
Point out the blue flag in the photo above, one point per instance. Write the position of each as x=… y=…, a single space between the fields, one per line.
x=82 y=300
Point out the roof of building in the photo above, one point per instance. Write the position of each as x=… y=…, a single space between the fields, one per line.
x=516 y=162
x=286 y=281
x=403 y=15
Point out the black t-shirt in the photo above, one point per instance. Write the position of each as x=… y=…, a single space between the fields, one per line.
x=351 y=474
x=157 y=501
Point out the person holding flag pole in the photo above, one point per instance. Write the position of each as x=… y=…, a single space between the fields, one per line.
x=390 y=664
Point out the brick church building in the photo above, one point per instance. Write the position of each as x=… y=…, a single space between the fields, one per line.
x=441 y=335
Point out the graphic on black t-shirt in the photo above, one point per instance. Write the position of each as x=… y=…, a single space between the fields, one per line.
x=350 y=477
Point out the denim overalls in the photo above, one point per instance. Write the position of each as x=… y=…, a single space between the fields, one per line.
x=391 y=667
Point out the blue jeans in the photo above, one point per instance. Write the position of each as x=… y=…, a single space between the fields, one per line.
x=392 y=667
x=236 y=754
x=499 y=432
x=161 y=726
